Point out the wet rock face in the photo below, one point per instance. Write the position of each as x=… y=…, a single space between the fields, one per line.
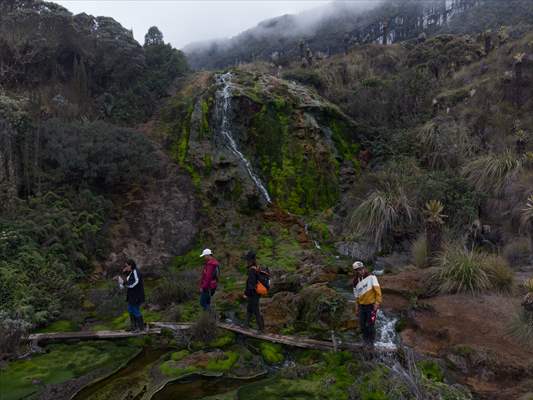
x=365 y=252
x=157 y=222
x=248 y=137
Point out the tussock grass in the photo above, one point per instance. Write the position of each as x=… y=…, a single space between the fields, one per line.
x=419 y=252
x=517 y=252
x=528 y=285
x=464 y=271
x=522 y=327
x=381 y=212
x=493 y=171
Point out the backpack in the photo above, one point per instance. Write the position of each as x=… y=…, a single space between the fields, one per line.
x=216 y=273
x=263 y=281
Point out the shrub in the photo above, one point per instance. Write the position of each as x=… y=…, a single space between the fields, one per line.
x=109 y=301
x=500 y=275
x=517 y=252
x=96 y=153
x=12 y=331
x=419 y=252
x=205 y=328
x=175 y=288
x=460 y=271
x=471 y=271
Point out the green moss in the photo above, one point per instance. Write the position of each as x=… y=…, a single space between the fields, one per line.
x=225 y=364
x=169 y=368
x=223 y=340
x=61 y=363
x=190 y=310
x=179 y=355
x=295 y=162
x=60 y=326
x=271 y=353
x=190 y=260
x=279 y=249
x=431 y=370
x=205 y=130
x=123 y=321
x=330 y=380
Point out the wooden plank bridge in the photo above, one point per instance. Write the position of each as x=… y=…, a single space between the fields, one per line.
x=156 y=328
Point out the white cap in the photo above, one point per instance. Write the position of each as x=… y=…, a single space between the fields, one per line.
x=358 y=265
x=206 y=252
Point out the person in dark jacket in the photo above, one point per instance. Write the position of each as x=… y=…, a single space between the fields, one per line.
x=134 y=294
x=209 y=279
x=250 y=293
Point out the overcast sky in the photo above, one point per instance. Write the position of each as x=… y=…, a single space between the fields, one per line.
x=183 y=21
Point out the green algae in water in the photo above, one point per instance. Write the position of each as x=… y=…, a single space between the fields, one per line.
x=132 y=377
x=202 y=388
x=61 y=363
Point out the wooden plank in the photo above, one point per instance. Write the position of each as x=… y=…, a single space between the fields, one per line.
x=87 y=335
x=156 y=328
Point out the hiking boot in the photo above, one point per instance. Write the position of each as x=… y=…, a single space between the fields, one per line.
x=260 y=324
x=133 y=324
x=140 y=323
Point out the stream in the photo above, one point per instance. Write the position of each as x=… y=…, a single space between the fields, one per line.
x=386 y=335
x=198 y=387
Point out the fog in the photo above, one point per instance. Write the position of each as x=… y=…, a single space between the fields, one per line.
x=184 y=22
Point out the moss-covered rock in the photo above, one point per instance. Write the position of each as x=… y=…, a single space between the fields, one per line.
x=272 y=353
x=290 y=135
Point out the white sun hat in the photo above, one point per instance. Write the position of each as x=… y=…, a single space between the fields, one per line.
x=358 y=265
x=206 y=252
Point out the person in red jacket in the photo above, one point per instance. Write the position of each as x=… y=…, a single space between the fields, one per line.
x=209 y=280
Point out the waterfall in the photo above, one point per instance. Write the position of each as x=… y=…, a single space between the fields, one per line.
x=225 y=94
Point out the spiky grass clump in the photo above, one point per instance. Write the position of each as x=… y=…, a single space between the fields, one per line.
x=517 y=252
x=460 y=271
x=500 y=275
x=527 y=212
x=382 y=212
x=493 y=171
x=419 y=252
x=465 y=271
x=528 y=285
x=522 y=327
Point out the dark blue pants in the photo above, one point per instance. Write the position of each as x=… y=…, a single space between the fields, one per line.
x=205 y=298
x=135 y=310
x=365 y=323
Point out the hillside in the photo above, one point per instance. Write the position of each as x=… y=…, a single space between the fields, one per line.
x=414 y=156
x=334 y=28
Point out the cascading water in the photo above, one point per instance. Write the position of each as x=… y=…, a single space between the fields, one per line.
x=224 y=96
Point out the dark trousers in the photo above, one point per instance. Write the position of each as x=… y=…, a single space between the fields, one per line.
x=135 y=310
x=253 y=310
x=205 y=298
x=365 y=322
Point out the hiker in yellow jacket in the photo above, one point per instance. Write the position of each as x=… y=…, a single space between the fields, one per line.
x=368 y=299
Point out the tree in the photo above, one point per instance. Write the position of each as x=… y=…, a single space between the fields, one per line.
x=154 y=37
x=434 y=222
